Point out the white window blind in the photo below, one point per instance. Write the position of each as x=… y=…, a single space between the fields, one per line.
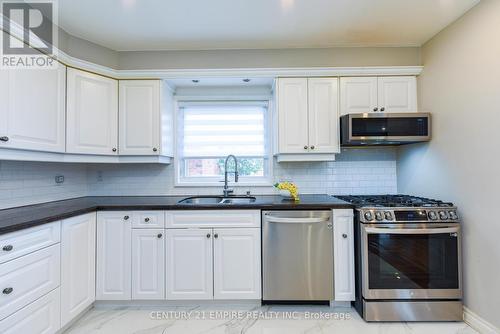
x=220 y=129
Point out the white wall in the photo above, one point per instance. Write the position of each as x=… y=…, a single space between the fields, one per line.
x=460 y=86
x=356 y=171
x=24 y=183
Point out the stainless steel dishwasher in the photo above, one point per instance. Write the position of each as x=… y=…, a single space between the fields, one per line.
x=297 y=254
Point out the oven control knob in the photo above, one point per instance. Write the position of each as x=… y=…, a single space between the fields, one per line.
x=443 y=215
x=453 y=215
x=433 y=215
x=368 y=216
x=388 y=215
x=379 y=215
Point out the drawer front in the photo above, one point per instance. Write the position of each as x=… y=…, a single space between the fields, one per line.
x=27 y=278
x=16 y=244
x=40 y=317
x=213 y=218
x=148 y=219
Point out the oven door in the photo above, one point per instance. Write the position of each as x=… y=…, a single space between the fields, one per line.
x=411 y=261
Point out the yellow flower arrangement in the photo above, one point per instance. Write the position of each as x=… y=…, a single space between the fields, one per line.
x=292 y=188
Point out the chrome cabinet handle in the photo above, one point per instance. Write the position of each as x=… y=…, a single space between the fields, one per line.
x=216 y=235
x=344 y=236
x=159 y=235
x=382 y=109
x=208 y=235
x=312 y=147
x=4 y=138
x=7 y=291
x=155 y=149
x=305 y=147
x=146 y=219
x=7 y=248
x=375 y=109
x=114 y=149
x=126 y=218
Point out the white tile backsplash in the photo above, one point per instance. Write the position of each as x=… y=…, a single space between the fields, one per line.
x=24 y=183
x=356 y=171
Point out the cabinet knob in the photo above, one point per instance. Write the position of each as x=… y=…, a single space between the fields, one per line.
x=312 y=147
x=126 y=217
x=208 y=235
x=305 y=147
x=375 y=109
x=7 y=248
x=159 y=235
x=344 y=236
x=146 y=219
x=382 y=109
x=114 y=149
x=216 y=235
x=4 y=138
x=155 y=149
x=7 y=291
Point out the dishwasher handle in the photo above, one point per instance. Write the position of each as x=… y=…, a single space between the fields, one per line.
x=273 y=219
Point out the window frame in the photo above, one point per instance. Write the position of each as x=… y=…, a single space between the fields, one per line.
x=244 y=181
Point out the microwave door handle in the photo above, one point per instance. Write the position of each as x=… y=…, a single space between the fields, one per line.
x=432 y=230
x=272 y=219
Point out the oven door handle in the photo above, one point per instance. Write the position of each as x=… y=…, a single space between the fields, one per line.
x=416 y=230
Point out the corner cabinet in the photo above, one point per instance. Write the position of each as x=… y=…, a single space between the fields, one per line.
x=145 y=118
x=307 y=118
x=32 y=109
x=92 y=113
x=78 y=248
x=378 y=94
x=343 y=253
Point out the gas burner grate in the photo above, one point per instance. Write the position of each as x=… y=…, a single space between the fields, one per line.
x=393 y=201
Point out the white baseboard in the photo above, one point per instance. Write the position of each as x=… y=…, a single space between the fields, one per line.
x=478 y=323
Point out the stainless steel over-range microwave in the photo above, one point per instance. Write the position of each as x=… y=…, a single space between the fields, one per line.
x=385 y=128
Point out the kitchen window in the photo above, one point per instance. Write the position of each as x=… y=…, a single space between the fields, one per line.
x=207 y=132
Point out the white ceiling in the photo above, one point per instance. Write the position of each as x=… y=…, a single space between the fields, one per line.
x=253 y=24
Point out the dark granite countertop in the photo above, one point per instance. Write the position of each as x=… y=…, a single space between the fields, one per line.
x=18 y=218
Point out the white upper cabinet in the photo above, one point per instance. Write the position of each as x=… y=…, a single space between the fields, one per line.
x=140 y=117
x=148 y=264
x=114 y=255
x=323 y=115
x=397 y=94
x=92 y=113
x=307 y=111
x=237 y=263
x=189 y=264
x=378 y=94
x=32 y=109
x=358 y=95
x=78 y=245
x=292 y=115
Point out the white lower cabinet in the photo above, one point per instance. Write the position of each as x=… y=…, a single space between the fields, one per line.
x=189 y=264
x=43 y=316
x=78 y=246
x=343 y=252
x=114 y=253
x=148 y=264
x=237 y=263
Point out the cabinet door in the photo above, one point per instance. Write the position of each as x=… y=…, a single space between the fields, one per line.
x=139 y=117
x=343 y=252
x=323 y=109
x=92 y=113
x=148 y=264
x=189 y=264
x=77 y=265
x=33 y=109
x=237 y=263
x=114 y=252
x=292 y=115
x=397 y=94
x=358 y=95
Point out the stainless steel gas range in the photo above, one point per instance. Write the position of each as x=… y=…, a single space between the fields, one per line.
x=408 y=259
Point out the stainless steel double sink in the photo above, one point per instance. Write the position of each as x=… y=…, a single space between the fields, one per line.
x=217 y=200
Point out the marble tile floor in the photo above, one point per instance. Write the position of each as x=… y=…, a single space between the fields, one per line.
x=249 y=320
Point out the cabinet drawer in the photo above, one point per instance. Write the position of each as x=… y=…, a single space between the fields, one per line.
x=40 y=317
x=27 y=278
x=148 y=219
x=213 y=218
x=16 y=244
